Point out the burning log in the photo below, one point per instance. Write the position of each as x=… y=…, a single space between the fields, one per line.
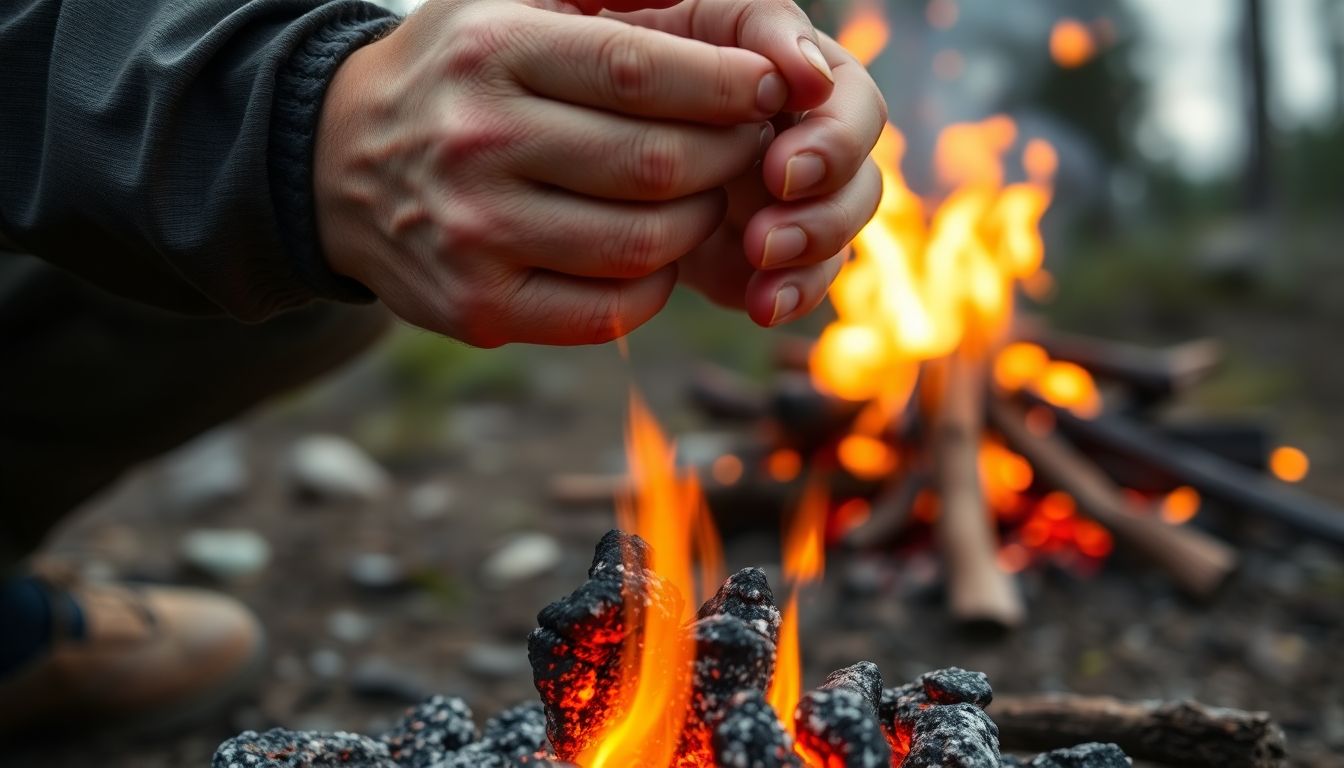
x=1182 y=733
x=1195 y=561
x=980 y=595
x=837 y=724
x=1090 y=755
x=1148 y=373
x=901 y=707
x=1212 y=476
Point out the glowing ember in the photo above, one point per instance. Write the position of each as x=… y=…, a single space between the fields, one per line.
x=1289 y=464
x=866 y=32
x=867 y=458
x=784 y=465
x=726 y=469
x=1072 y=44
x=1180 y=506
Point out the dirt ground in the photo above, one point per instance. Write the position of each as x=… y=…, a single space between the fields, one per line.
x=346 y=656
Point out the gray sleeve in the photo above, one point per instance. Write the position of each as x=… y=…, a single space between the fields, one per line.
x=163 y=148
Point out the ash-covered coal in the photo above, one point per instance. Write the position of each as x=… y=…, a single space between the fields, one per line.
x=838 y=723
x=751 y=736
x=954 y=736
x=1090 y=755
x=577 y=651
x=902 y=706
x=438 y=733
x=746 y=595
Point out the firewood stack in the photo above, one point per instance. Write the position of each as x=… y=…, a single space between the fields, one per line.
x=1109 y=475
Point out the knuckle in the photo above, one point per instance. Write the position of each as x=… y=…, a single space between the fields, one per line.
x=468 y=133
x=628 y=67
x=467 y=229
x=477 y=40
x=659 y=166
x=725 y=82
x=635 y=252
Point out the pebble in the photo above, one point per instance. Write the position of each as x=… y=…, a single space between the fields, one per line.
x=326 y=663
x=350 y=626
x=524 y=557
x=377 y=572
x=331 y=468
x=430 y=501
x=207 y=472
x=225 y=555
x=496 y=662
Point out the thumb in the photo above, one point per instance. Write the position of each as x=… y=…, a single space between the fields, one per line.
x=592 y=7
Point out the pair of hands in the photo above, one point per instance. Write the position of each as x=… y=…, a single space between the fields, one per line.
x=545 y=171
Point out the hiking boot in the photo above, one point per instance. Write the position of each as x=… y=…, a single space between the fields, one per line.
x=136 y=658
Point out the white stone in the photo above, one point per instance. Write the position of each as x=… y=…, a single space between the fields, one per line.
x=226 y=554
x=333 y=468
x=524 y=557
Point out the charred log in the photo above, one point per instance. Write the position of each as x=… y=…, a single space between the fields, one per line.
x=1090 y=755
x=838 y=724
x=1181 y=733
x=750 y=736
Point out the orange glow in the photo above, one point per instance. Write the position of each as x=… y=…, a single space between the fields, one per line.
x=1058 y=506
x=1289 y=464
x=942 y=14
x=1019 y=364
x=1069 y=386
x=1181 y=505
x=1040 y=160
x=726 y=469
x=1004 y=476
x=1040 y=421
x=851 y=515
x=783 y=465
x=1092 y=539
x=1014 y=558
x=866 y=458
x=865 y=33
x=804 y=559
x=1040 y=286
x=666 y=509
x=1071 y=44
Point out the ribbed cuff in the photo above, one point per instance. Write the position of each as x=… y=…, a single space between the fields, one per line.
x=300 y=87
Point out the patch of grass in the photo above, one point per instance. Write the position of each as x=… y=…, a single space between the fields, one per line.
x=427 y=367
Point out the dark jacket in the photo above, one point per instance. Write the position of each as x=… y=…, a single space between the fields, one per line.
x=163 y=148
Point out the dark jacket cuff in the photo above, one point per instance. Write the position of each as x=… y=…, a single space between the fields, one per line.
x=300 y=87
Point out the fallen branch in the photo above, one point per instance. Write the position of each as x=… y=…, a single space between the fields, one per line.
x=1198 y=563
x=1184 y=733
x=980 y=594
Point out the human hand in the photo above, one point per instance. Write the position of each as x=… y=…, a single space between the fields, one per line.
x=788 y=222
x=501 y=171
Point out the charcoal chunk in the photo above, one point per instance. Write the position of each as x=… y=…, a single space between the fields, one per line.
x=751 y=736
x=747 y=596
x=429 y=731
x=281 y=748
x=954 y=736
x=576 y=652
x=516 y=732
x=955 y=685
x=1090 y=755
x=837 y=724
x=730 y=657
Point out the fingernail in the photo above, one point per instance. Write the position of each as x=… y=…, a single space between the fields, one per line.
x=786 y=302
x=767 y=136
x=771 y=94
x=814 y=57
x=803 y=172
x=783 y=244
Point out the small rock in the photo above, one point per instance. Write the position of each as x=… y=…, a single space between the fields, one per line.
x=378 y=678
x=207 y=472
x=496 y=662
x=525 y=557
x=331 y=468
x=350 y=626
x=430 y=501
x=377 y=572
x=326 y=664
x=225 y=555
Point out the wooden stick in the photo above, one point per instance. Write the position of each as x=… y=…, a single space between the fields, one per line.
x=1182 y=733
x=1198 y=563
x=1153 y=373
x=1212 y=476
x=980 y=594
x=889 y=512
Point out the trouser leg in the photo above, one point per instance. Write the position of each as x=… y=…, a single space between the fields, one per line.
x=92 y=384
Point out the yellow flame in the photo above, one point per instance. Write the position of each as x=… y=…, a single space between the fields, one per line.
x=1289 y=464
x=1181 y=505
x=1072 y=44
x=865 y=33
x=667 y=510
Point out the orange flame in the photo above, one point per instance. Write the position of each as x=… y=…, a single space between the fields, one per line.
x=803 y=562
x=1072 y=44
x=1289 y=464
x=1022 y=366
x=667 y=510
x=865 y=33
x=1180 y=506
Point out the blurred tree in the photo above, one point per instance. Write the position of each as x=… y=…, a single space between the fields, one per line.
x=1258 y=180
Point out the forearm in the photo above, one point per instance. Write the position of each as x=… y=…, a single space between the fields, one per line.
x=163 y=149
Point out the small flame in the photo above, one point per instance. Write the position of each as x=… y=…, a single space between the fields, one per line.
x=804 y=560
x=865 y=33
x=1004 y=477
x=867 y=458
x=1180 y=506
x=1023 y=365
x=1072 y=44
x=783 y=465
x=666 y=509
x=1289 y=464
